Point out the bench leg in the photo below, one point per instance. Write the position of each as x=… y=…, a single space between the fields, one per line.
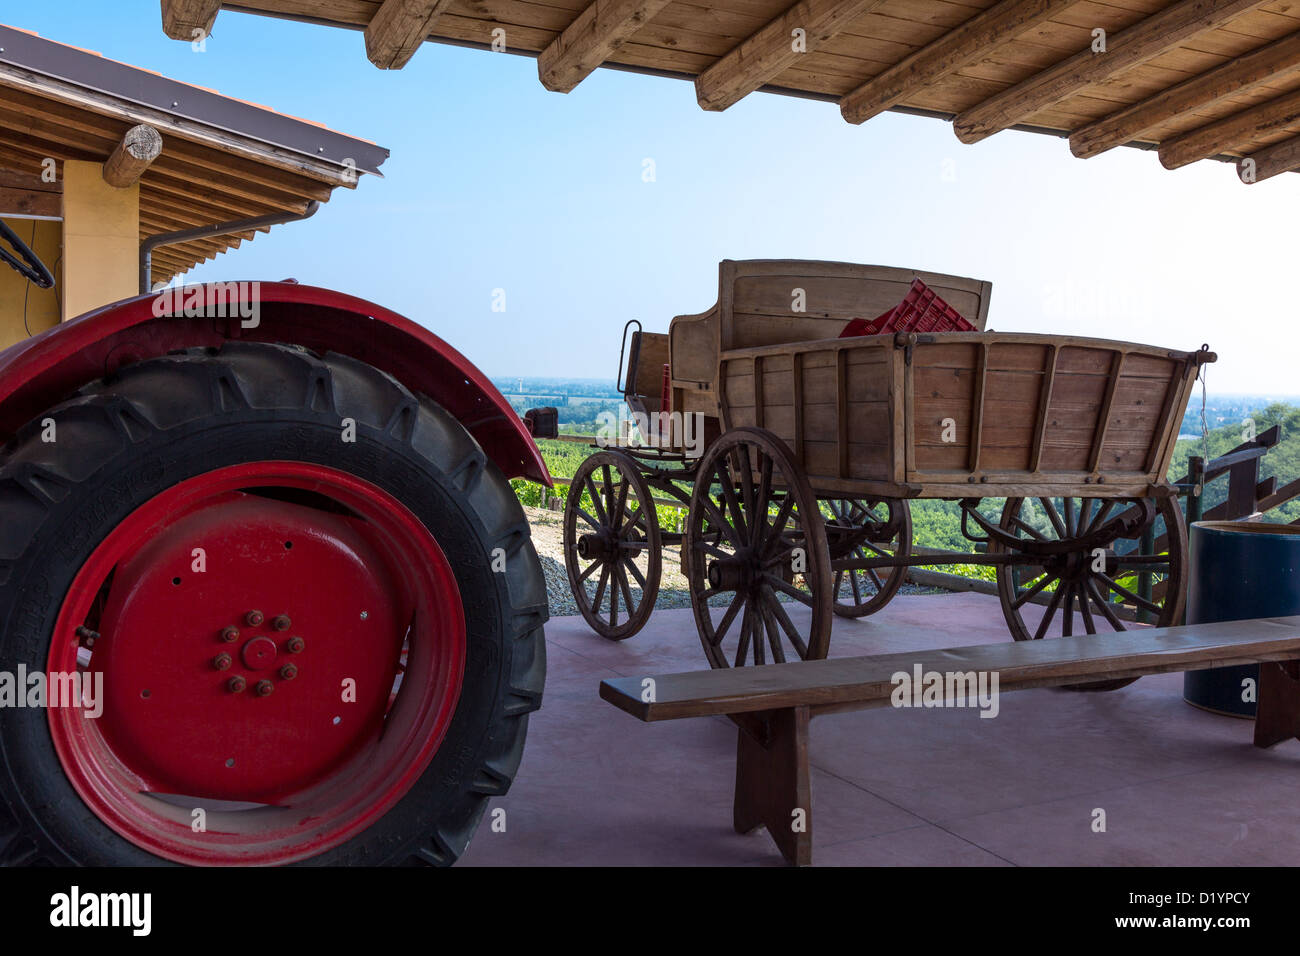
x=772 y=780
x=1277 y=704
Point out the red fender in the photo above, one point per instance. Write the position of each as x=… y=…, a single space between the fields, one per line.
x=46 y=369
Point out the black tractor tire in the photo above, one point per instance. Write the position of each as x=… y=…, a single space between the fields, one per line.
x=129 y=437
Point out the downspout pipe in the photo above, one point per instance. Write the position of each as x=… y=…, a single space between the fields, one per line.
x=207 y=232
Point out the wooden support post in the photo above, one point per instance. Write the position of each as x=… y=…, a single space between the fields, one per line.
x=1277 y=703
x=398 y=29
x=139 y=147
x=591 y=39
x=773 y=781
x=1126 y=49
x=957 y=48
x=775 y=48
x=189 y=20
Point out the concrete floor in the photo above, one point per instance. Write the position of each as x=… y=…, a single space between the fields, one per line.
x=1179 y=786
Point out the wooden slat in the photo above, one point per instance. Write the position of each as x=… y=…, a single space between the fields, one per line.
x=1222 y=135
x=189 y=20
x=842 y=411
x=1124 y=50
x=758 y=390
x=591 y=39
x=797 y=392
x=1271 y=160
x=977 y=408
x=853 y=682
x=769 y=52
x=958 y=47
x=398 y=30
x=1103 y=421
x=1273 y=61
x=30 y=202
x=1044 y=403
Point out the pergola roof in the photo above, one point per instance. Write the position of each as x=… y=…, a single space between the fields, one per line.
x=222 y=159
x=1194 y=78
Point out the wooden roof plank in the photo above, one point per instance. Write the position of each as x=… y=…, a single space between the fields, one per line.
x=189 y=20
x=398 y=29
x=1234 y=76
x=778 y=45
x=591 y=39
x=954 y=49
x=1214 y=138
x=1124 y=50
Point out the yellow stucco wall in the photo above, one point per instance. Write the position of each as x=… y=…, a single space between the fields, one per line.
x=101 y=239
x=42 y=305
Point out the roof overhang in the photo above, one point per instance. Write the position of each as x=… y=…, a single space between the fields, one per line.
x=1191 y=79
x=222 y=160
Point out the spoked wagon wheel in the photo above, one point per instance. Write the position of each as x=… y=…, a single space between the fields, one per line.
x=277 y=659
x=856 y=528
x=1097 y=590
x=611 y=545
x=755 y=536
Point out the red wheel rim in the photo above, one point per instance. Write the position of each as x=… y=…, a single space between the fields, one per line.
x=361 y=642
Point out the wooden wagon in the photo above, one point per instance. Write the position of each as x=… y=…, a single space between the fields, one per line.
x=796 y=452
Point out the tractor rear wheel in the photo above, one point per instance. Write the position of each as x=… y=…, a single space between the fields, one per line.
x=289 y=611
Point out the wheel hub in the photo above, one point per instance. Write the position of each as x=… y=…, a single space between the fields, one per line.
x=170 y=675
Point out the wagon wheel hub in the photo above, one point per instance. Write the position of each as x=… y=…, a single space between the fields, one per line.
x=736 y=572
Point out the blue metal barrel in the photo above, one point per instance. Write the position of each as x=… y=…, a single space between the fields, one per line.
x=1238 y=570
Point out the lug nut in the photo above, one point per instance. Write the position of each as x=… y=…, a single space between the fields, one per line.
x=289 y=671
x=294 y=645
x=230 y=635
x=254 y=618
x=221 y=662
x=264 y=688
x=281 y=622
x=236 y=684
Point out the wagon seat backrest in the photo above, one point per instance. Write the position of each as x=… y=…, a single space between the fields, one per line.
x=779 y=301
x=647 y=356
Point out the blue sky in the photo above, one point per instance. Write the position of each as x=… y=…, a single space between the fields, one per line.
x=496 y=183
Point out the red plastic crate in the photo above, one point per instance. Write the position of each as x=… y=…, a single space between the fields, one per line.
x=920 y=311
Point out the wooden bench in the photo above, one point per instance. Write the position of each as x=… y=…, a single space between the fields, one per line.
x=773 y=704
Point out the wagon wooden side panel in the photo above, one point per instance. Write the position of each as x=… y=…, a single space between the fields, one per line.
x=1051 y=412
x=837 y=403
x=966 y=414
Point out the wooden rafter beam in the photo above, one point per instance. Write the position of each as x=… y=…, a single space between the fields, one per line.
x=1223 y=134
x=1124 y=50
x=958 y=47
x=189 y=20
x=139 y=147
x=774 y=48
x=590 y=40
x=398 y=29
x=1234 y=76
x=1271 y=160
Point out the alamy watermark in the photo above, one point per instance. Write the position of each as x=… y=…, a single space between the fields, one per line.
x=212 y=300
x=946 y=689
x=668 y=430
x=38 y=689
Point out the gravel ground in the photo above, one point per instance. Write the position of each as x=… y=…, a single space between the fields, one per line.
x=548 y=538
